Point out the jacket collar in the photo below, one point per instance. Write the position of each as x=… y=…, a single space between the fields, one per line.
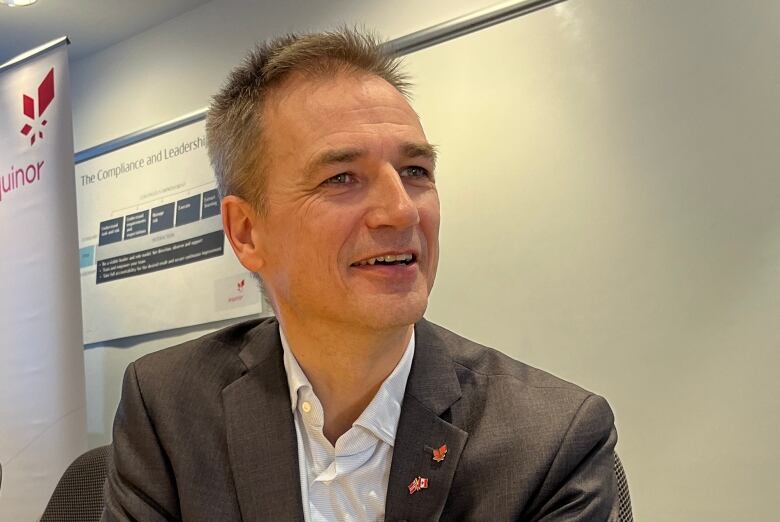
x=433 y=388
x=262 y=442
x=260 y=431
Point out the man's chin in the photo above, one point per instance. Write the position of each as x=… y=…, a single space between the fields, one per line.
x=396 y=314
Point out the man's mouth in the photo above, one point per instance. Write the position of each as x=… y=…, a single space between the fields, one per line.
x=387 y=259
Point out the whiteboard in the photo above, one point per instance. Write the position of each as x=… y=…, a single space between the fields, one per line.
x=609 y=190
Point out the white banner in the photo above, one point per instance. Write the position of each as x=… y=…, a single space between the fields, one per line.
x=152 y=250
x=42 y=397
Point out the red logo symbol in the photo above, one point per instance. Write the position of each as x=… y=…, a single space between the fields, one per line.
x=45 y=97
x=241 y=285
x=439 y=454
x=417 y=484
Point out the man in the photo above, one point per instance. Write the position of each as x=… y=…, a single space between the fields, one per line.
x=348 y=405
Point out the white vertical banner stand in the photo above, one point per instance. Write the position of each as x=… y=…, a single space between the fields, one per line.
x=42 y=393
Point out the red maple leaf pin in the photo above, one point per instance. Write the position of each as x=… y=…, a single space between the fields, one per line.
x=439 y=454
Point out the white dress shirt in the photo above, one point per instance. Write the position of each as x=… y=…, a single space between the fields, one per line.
x=348 y=482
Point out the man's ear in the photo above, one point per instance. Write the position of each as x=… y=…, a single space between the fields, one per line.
x=243 y=228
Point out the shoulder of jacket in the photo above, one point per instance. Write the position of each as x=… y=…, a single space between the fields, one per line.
x=206 y=353
x=489 y=363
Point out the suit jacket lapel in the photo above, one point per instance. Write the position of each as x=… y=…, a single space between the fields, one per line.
x=261 y=438
x=431 y=390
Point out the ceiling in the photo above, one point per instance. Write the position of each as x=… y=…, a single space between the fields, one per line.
x=91 y=25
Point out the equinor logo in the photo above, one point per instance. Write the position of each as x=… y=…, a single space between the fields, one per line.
x=20 y=176
x=34 y=128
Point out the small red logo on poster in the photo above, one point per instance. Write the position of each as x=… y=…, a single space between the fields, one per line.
x=34 y=128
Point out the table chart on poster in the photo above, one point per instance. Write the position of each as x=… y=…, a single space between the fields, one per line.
x=153 y=255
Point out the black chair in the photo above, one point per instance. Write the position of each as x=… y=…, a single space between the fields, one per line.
x=78 y=496
x=624 y=498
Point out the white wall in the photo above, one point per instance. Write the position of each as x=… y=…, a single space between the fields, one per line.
x=609 y=186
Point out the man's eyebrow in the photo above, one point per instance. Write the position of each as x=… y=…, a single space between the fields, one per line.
x=333 y=156
x=338 y=156
x=419 y=150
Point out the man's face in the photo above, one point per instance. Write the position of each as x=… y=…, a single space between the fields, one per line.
x=350 y=180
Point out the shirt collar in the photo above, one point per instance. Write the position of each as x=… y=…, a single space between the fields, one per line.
x=296 y=379
x=383 y=412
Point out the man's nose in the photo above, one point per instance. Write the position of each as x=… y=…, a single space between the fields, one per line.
x=391 y=204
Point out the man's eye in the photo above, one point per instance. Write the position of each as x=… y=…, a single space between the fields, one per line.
x=339 y=179
x=415 y=172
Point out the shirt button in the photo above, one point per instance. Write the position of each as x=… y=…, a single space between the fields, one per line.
x=306 y=407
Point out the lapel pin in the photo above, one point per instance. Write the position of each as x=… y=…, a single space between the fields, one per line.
x=417 y=484
x=439 y=454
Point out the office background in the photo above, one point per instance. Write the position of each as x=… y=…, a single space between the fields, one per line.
x=609 y=189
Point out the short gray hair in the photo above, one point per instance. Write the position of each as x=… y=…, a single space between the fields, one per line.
x=234 y=120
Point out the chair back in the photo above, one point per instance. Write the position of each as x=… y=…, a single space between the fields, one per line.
x=79 y=493
x=624 y=498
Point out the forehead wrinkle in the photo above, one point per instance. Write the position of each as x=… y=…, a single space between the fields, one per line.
x=378 y=112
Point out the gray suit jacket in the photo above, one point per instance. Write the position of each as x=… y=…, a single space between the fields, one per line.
x=204 y=431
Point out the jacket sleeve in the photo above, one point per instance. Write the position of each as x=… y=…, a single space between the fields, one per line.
x=140 y=483
x=581 y=484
